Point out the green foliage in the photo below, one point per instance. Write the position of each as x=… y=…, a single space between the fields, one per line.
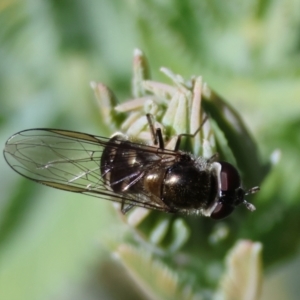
x=54 y=244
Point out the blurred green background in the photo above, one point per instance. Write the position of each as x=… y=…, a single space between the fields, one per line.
x=52 y=243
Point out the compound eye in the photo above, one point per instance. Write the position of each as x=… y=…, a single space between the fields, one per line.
x=221 y=211
x=230 y=178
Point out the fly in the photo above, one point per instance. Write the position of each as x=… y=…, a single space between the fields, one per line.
x=131 y=173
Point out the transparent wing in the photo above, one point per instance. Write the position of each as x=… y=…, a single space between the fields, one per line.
x=71 y=161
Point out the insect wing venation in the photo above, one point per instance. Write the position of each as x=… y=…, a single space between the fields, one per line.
x=71 y=161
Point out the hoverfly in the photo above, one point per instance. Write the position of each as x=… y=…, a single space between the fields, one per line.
x=131 y=173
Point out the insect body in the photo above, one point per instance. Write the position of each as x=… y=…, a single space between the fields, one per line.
x=131 y=173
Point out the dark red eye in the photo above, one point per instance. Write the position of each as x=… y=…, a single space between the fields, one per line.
x=230 y=178
x=231 y=192
x=221 y=211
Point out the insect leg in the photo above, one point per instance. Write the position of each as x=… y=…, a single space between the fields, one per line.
x=177 y=145
x=155 y=133
x=126 y=207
